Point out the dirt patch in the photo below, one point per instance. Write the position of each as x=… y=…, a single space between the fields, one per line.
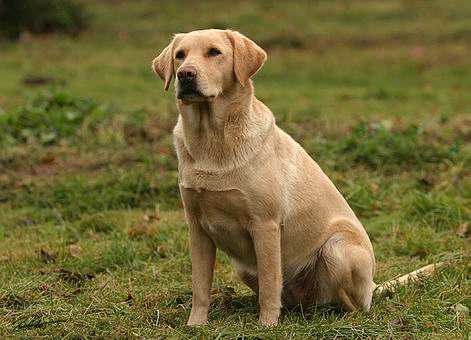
x=32 y=165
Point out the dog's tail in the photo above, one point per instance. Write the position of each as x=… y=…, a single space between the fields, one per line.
x=417 y=275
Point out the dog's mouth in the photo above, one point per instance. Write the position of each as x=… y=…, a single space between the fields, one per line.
x=192 y=95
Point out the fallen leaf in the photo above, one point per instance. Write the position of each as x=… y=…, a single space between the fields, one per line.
x=417 y=52
x=103 y=283
x=392 y=307
x=375 y=189
x=74 y=277
x=162 y=251
x=149 y=218
x=44 y=287
x=38 y=80
x=142 y=229
x=463 y=230
x=46 y=257
x=48 y=158
x=153 y=217
x=395 y=322
x=163 y=150
x=426 y=181
x=429 y=325
x=461 y=310
x=128 y=300
x=75 y=250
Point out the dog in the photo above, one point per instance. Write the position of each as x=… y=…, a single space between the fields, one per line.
x=253 y=192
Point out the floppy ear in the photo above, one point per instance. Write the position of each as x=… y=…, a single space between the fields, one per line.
x=248 y=56
x=163 y=64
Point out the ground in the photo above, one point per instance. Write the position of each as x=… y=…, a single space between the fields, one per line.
x=92 y=236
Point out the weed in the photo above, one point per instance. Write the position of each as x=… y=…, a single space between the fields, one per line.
x=376 y=146
x=50 y=118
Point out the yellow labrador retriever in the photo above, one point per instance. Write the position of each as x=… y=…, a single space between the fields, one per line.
x=250 y=190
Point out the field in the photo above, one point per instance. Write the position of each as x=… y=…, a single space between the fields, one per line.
x=92 y=236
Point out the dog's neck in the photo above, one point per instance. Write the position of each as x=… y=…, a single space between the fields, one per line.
x=227 y=132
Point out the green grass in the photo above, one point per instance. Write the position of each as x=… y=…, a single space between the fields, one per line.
x=376 y=91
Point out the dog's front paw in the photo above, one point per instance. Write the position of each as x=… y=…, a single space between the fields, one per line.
x=194 y=323
x=197 y=319
x=268 y=319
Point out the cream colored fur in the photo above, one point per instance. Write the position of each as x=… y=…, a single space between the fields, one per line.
x=250 y=190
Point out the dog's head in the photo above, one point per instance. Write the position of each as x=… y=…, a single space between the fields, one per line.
x=206 y=63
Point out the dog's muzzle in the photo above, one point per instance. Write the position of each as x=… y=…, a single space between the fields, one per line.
x=187 y=89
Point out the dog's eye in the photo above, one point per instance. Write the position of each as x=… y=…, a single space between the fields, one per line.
x=213 y=52
x=180 y=55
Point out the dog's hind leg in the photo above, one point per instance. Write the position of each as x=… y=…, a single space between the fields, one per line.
x=348 y=267
x=250 y=278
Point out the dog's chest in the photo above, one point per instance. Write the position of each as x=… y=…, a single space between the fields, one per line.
x=224 y=216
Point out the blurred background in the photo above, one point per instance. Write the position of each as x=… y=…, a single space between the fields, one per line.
x=92 y=235
x=339 y=58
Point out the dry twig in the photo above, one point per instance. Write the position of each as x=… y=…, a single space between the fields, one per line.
x=415 y=276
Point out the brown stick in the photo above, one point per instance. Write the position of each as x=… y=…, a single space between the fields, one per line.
x=415 y=276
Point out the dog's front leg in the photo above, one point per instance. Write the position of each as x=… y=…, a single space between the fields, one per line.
x=203 y=253
x=266 y=239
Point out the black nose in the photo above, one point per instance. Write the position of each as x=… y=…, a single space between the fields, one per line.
x=187 y=73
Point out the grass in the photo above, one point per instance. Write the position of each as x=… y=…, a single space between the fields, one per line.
x=92 y=232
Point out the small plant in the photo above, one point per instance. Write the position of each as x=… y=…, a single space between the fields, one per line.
x=49 y=118
x=375 y=145
x=57 y=117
